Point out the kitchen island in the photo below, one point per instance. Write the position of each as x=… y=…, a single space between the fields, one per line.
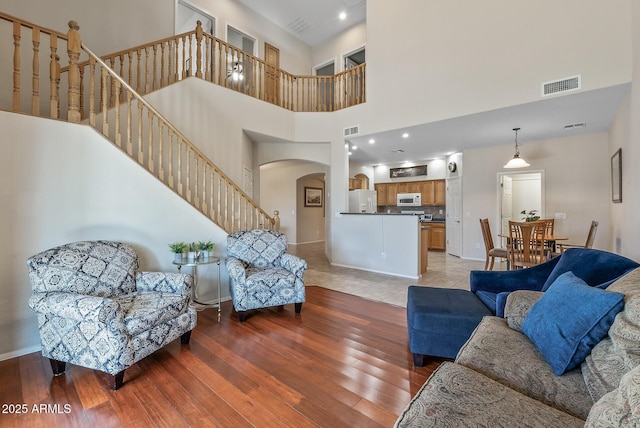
x=378 y=242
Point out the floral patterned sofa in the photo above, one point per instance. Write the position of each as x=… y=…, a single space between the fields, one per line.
x=96 y=310
x=261 y=273
x=505 y=376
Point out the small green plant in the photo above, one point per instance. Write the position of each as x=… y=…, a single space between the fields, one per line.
x=193 y=247
x=530 y=215
x=206 y=246
x=177 y=247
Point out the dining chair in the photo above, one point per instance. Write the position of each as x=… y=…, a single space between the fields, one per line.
x=491 y=251
x=550 y=246
x=526 y=244
x=590 y=239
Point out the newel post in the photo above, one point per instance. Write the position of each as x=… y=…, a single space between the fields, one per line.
x=199 y=35
x=74 y=45
x=276 y=220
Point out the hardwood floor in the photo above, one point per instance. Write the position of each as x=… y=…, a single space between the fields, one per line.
x=343 y=362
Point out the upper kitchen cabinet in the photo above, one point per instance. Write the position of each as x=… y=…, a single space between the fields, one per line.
x=427 y=192
x=440 y=193
x=381 y=194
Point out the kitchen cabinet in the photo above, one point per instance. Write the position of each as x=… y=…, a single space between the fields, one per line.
x=355 y=183
x=381 y=194
x=392 y=194
x=440 y=192
x=427 y=192
x=432 y=192
x=437 y=236
x=424 y=248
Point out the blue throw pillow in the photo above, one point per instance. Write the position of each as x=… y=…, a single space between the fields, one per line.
x=569 y=320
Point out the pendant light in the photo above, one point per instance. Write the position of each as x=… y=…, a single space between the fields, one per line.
x=517 y=161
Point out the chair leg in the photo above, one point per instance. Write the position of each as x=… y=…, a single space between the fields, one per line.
x=58 y=367
x=242 y=315
x=184 y=339
x=486 y=263
x=298 y=307
x=115 y=381
x=418 y=360
x=493 y=259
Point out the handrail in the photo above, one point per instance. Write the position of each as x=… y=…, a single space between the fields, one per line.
x=219 y=204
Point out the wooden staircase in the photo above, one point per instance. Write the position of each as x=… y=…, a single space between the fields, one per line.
x=95 y=94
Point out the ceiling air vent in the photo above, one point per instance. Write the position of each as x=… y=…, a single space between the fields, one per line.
x=563 y=85
x=575 y=125
x=352 y=130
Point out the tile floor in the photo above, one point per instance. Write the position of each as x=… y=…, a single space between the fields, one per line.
x=443 y=271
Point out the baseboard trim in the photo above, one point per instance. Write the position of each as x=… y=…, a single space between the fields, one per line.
x=376 y=271
x=20 y=352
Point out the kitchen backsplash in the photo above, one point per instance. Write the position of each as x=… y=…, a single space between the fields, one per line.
x=438 y=212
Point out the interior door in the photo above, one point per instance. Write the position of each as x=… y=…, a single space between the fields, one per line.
x=454 y=217
x=506 y=207
x=272 y=73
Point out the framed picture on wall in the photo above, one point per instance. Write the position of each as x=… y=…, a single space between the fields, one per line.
x=313 y=197
x=616 y=177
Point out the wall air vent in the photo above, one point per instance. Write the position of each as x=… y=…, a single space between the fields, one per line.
x=575 y=125
x=397 y=151
x=352 y=130
x=563 y=85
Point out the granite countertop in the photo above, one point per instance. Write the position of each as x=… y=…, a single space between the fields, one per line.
x=435 y=220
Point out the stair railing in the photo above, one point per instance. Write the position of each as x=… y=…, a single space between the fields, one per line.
x=143 y=133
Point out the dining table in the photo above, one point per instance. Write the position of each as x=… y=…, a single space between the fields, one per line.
x=550 y=239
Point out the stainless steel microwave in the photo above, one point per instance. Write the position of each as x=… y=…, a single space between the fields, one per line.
x=409 y=200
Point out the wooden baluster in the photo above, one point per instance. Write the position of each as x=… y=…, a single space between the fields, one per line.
x=139 y=70
x=54 y=76
x=162 y=66
x=170 y=163
x=121 y=99
x=150 y=161
x=204 y=187
x=196 y=160
x=188 y=172
x=208 y=60
x=130 y=73
x=221 y=70
x=184 y=57
x=140 y=141
x=74 y=45
x=146 y=70
x=81 y=70
x=92 y=91
x=179 y=169
x=177 y=56
x=35 y=98
x=112 y=86
x=129 y=124
x=212 y=212
x=118 y=139
x=155 y=67
x=16 y=66
x=105 y=107
x=199 y=33
x=219 y=198
x=160 y=151
x=276 y=220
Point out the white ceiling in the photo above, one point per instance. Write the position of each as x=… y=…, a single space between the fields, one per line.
x=312 y=21
x=539 y=120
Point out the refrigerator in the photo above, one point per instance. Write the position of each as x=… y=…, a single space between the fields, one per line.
x=362 y=201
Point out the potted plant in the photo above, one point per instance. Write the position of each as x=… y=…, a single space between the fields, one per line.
x=530 y=215
x=177 y=248
x=206 y=248
x=193 y=252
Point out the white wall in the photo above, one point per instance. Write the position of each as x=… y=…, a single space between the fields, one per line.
x=62 y=183
x=280 y=190
x=334 y=49
x=625 y=133
x=576 y=183
x=310 y=220
x=436 y=170
x=119 y=24
x=433 y=60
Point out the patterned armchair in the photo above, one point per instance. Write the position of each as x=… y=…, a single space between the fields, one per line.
x=94 y=310
x=262 y=274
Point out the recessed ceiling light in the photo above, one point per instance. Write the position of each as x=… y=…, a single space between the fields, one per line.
x=405 y=135
x=371 y=141
x=354 y=147
x=342 y=16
